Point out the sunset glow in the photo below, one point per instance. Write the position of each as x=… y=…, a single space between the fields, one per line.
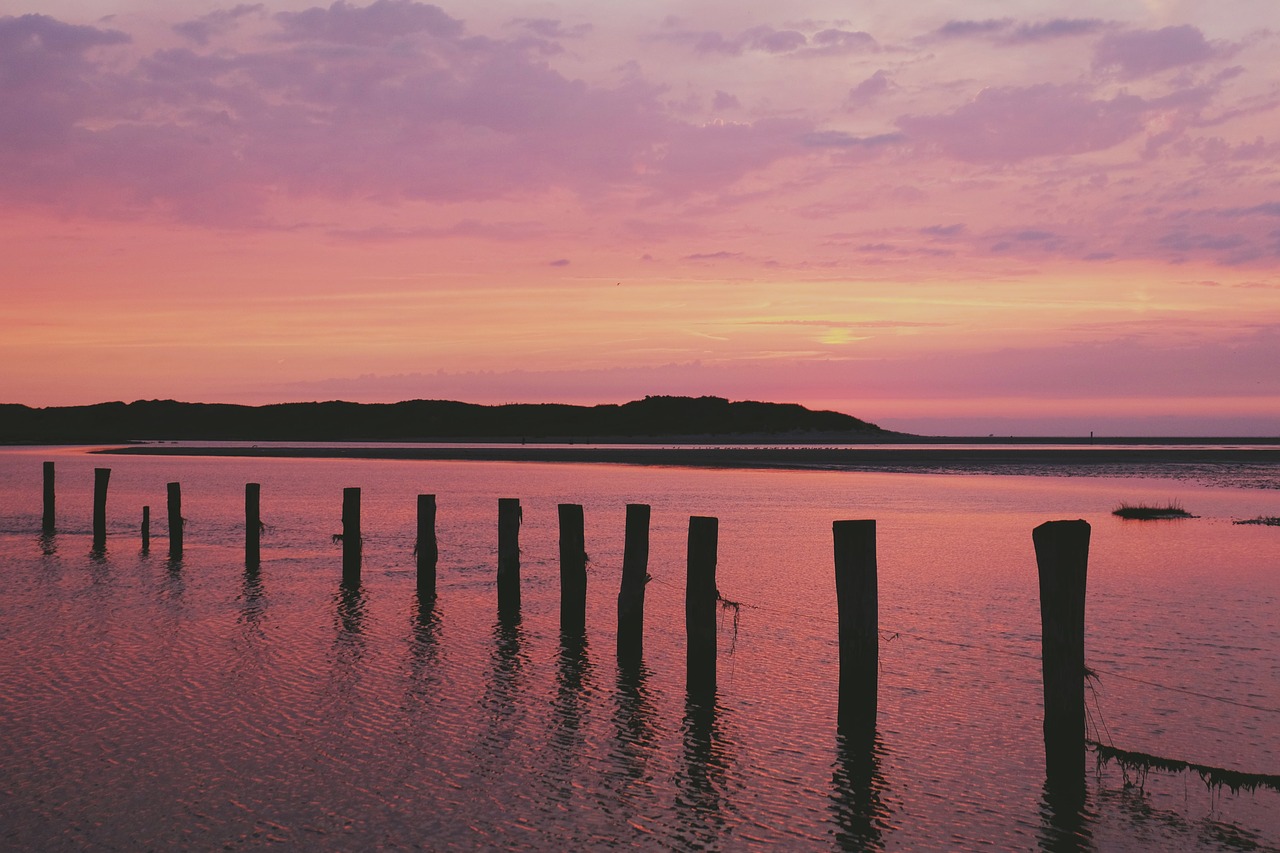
x=942 y=218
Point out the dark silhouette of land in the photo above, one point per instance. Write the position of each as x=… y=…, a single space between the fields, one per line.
x=650 y=419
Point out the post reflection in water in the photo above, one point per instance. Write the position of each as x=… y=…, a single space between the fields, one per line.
x=858 y=793
x=501 y=703
x=348 y=646
x=569 y=711
x=253 y=601
x=48 y=543
x=424 y=653
x=1065 y=821
x=702 y=805
x=253 y=609
x=634 y=722
x=253 y=650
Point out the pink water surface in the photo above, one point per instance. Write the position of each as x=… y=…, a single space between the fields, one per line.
x=158 y=704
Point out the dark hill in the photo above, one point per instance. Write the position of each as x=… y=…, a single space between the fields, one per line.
x=652 y=418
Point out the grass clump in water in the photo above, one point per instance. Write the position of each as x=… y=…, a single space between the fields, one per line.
x=1270 y=520
x=1146 y=512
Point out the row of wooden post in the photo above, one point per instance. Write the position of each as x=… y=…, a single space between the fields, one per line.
x=1061 y=548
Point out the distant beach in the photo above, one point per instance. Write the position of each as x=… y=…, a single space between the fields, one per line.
x=1083 y=459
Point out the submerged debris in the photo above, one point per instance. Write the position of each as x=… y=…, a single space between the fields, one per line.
x=1145 y=512
x=1213 y=777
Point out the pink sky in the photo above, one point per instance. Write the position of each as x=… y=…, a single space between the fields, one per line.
x=939 y=217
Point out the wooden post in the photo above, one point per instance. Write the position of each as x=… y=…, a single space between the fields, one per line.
x=428 y=550
x=857 y=607
x=1062 y=557
x=509 y=516
x=101 y=477
x=252 y=525
x=48 y=522
x=351 y=542
x=175 y=521
x=700 y=607
x=146 y=529
x=635 y=574
x=573 y=571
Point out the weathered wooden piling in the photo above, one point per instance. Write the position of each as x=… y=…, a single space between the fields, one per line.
x=573 y=570
x=351 y=537
x=175 y=521
x=146 y=529
x=428 y=550
x=101 y=477
x=857 y=604
x=509 y=555
x=1062 y=557
x=635 y=574
x=700 y=607
x=48 y=522
x=252 y=525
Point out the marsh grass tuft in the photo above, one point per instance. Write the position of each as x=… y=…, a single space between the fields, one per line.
x=1147 y=512
x=1269 y=520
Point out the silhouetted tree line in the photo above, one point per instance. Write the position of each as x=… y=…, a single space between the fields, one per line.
x=414 y=420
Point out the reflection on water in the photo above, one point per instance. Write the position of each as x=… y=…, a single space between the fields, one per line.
x=703 y=808
x=253 y=600
x=635 y=722
x=570 y=712
x=48 y=543
x=859 y=806
x=424 y=651
x=347 y=654
x=1065 y=819
x=502 y=704
x=350 y=603
x=427 y=679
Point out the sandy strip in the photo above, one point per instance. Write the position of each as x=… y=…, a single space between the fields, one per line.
x=896 y=459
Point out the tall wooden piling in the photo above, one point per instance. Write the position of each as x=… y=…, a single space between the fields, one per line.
x=573 y=570
x=428 y=550
x=1062 y=557
x=146 y=529
x=508 y=555
x=352 y=545
x=175 y=521
x=857 y=604
x=635 y=574
x=700 y=607
x=101 y=477
x=48 y=522
x=252 y=525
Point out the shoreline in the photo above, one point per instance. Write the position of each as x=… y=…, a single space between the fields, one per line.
x=905 y=458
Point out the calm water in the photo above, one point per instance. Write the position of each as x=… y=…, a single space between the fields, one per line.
x=149 y=704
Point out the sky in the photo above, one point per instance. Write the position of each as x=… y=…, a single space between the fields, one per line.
x=990 y=217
